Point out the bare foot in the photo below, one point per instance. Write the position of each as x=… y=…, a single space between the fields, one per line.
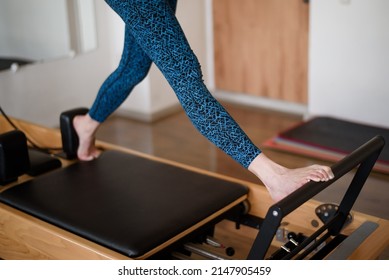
x=281 y=181
x=86 y=129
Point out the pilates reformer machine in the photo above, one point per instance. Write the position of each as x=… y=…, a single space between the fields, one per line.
x=128 y=205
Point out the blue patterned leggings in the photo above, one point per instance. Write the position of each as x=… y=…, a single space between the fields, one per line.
x=153 y=34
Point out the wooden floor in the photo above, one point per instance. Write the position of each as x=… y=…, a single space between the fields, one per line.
x=175 y=138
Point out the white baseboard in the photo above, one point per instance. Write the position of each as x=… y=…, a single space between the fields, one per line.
x=149 y=117
x=261 y=102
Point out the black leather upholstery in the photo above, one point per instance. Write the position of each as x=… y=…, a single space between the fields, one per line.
x=127 y=203
x=41 y=162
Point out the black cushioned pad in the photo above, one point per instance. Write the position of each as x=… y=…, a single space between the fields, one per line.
x=124 y=202
x=41 y=162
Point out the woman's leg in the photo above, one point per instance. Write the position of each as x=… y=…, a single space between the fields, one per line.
x=133 y=67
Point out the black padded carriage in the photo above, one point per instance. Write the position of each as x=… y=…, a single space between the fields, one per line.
x=127 y=203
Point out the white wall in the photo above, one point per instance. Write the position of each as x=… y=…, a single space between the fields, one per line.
x=39 y=93
x=349 y=60
x=34 y=30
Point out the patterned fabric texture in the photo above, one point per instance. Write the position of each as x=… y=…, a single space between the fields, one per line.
x=153 y=34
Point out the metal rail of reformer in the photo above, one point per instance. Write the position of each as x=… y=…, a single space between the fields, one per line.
x=364 y=158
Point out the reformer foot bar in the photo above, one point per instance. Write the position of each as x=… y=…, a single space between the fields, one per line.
x=364 y=159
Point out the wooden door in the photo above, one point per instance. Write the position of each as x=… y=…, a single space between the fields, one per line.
x=261 y=48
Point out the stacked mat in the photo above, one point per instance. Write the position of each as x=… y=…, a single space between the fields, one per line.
x=330 y=139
